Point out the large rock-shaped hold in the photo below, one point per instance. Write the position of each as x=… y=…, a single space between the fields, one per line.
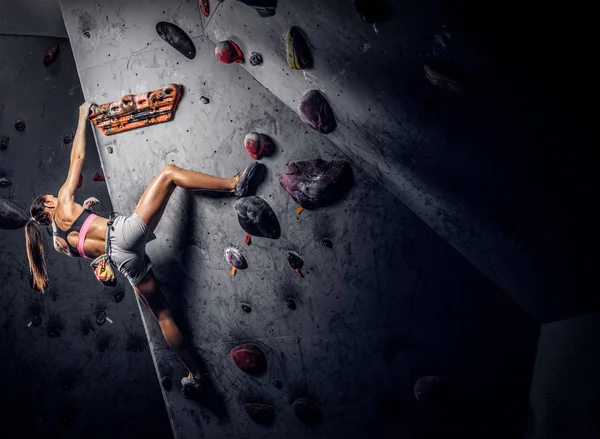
x=11 y=217
x=177 y=38
x=315 y=111
x=249 y=358
x=258 y=145
x=297 y=50
x=316 y=183
x=308 y=412
x=262 y=414
x=257 y=218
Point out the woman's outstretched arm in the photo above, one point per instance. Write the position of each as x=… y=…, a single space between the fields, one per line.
x=67 y=192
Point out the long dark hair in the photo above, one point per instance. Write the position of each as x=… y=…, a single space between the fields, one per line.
x=35 y=243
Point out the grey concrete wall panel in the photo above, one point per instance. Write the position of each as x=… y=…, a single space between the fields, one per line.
x=465 y=164
x=390 y=286
x=32 y=17
x=67 y=386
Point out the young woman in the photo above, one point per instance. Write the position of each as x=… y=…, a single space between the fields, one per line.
x=78 y=232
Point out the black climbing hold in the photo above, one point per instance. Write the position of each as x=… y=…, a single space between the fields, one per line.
x=102 y=349
x=118 y=296
x=429 y=390
x=204 y=100
x=315 y=111
x=177 y=38
x=4 y=143
x=291 y=303
x=257 y=218
x=101 y=317
x=67 y=384
x=246 y=308
x=297 y=50
x=51 y=54
x=68 y=138
x=316 y=183
x=53 y=332
x=86 y=34
x=262 y=414
x=54 y=298
x=235 y=258
x=448 y=77
x=308 y=412
x=11 y=217
x=166 y=383
x=20 y=125
x=36 y=320
x=278 y=384
x=109 y=149
x=327 y=243
x=85 y=331
x=294 y=260
x=373 y=11
x=256 y=59
x=264 y=8
x=4 y=182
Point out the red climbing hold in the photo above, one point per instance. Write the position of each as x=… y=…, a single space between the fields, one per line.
x=248 y=240
x=262 y=414
x=229 y=52
x=258 y=145
x=99 y=177
x=204 y=7
x=80 y=181
x=51 y=54
x=249 y=358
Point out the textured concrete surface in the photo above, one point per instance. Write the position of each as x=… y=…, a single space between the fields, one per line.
x=32 y=17
x=76 y=385
x=565 y=390
x=390 y=302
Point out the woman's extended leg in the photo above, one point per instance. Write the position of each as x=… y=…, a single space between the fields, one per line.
x=151 y=295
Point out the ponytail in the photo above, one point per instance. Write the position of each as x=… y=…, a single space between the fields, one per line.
x=35 y=254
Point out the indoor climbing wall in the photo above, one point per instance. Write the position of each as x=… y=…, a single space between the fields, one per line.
x=334 y=311
x=74 y=358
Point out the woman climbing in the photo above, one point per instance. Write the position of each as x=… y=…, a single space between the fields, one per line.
x=78 y=232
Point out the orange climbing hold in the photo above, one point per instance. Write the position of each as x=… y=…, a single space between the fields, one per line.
x=233 y=271
x=299 y=210
x=137 y=111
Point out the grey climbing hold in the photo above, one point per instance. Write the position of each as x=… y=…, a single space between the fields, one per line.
x=327 y=243
x=36 y=321
x=277 y=384
x=204 y=100
x=246 y=308
x=291 y=303
x=262 y=414
x=316 y=183
x=308 y=412
x=297 y=50
x=20 y=125
x=68 y=138
x=11 y=217
x=256 y=59
x=101 y=317
x=4 y=182
x=257 y=218
x=315 y=111
x=109 y=149
x=118 y=296
x=235 y=258
x=166 y=383
x=4 y=143
x=448 y=77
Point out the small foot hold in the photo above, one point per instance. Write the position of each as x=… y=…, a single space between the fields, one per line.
x=192 y=387
x=249 y=179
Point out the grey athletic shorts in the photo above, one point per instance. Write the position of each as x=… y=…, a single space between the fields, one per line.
x=127 y=239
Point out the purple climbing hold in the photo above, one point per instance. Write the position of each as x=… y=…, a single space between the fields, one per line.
x=51 y=54
x=262 y=414
x=258 y=145
x=249 y=358
x=257 y=218
x=315 y=111
x=4 y=143
x=11 y=217
x=235 y=258
x=316 y=183
x=308 y=412
x=20 y=125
